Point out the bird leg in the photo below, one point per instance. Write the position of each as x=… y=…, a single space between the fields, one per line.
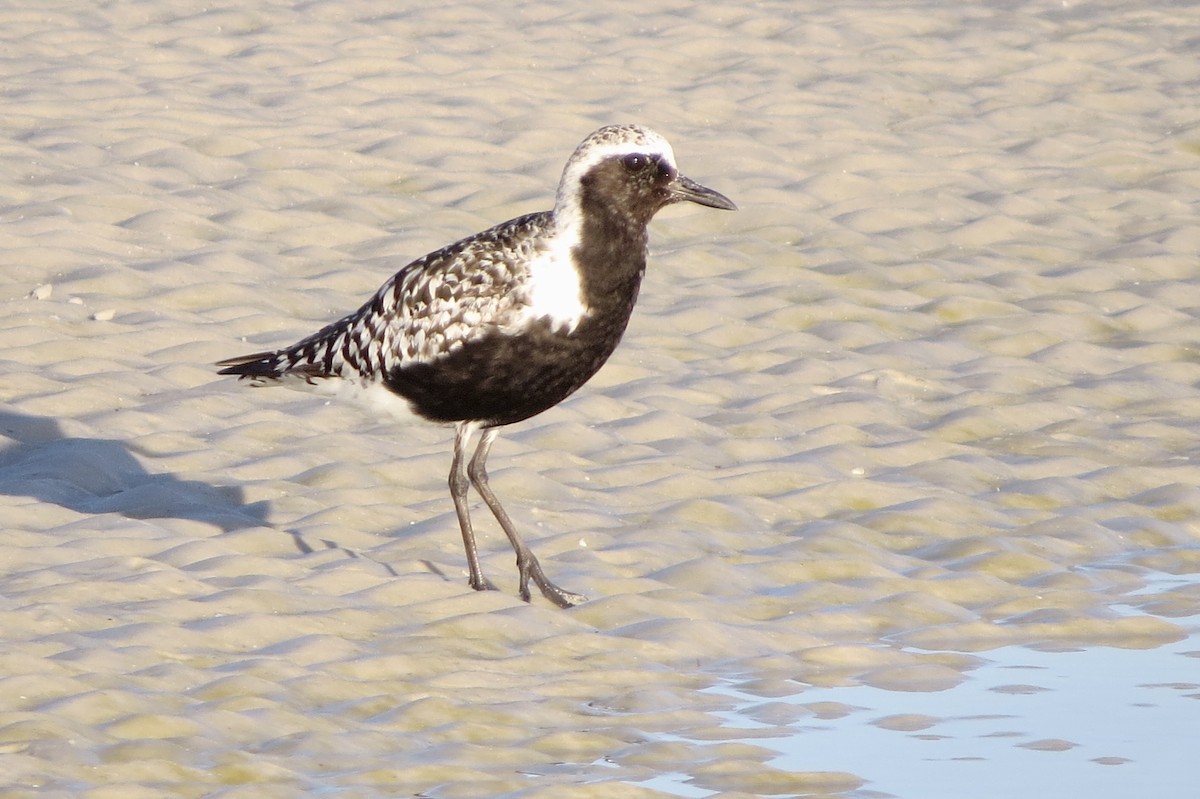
x=459 y=486
x=527 y=563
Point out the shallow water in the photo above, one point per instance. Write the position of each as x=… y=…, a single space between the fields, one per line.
x=1083 y=721
x=921 y=415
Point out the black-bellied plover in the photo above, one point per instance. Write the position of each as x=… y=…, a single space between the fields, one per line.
x=504 y=324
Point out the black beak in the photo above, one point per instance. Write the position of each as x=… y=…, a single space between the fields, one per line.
x=683 y=188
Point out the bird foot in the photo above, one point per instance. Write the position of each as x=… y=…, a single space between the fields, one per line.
x=483 y=584
x=559 y=596
x=562 y=598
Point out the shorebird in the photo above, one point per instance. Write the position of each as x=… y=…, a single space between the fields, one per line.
x=504 y=324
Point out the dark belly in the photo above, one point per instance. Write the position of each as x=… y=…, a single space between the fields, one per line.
x=500 y=379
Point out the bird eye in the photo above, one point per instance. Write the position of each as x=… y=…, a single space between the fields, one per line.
x=635 y=162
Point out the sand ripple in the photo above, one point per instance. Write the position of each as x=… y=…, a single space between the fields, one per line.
x=931 y=392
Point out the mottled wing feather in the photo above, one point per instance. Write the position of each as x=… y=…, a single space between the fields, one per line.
x=425 y=311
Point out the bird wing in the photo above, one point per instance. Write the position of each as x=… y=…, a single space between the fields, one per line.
x=425 y=311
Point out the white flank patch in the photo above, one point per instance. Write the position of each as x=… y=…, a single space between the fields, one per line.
x=371 y=396
x=378 y=400
x=555 y=291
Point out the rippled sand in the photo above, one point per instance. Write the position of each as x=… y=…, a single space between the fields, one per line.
x=931 y=392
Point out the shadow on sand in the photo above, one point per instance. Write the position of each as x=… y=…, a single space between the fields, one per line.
x=96 y=475
x=99 y=475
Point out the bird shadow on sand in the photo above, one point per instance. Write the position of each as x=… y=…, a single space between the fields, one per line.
x=97 y=475
x=307 y=548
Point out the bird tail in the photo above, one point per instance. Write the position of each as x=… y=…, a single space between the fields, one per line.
x=261 y=367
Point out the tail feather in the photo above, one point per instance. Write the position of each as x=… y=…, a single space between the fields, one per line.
x=258 y=365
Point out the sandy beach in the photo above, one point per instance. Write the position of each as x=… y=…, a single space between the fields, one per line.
x=918 y=422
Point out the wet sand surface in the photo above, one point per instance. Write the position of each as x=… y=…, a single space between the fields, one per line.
x=893 y=473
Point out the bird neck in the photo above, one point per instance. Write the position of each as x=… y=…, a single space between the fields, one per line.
x=610 y=256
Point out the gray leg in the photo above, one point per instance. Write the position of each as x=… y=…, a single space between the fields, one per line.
x=458 y=492
x=527 y=564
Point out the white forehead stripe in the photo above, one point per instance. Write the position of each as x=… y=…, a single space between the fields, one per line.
x=608 y=142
